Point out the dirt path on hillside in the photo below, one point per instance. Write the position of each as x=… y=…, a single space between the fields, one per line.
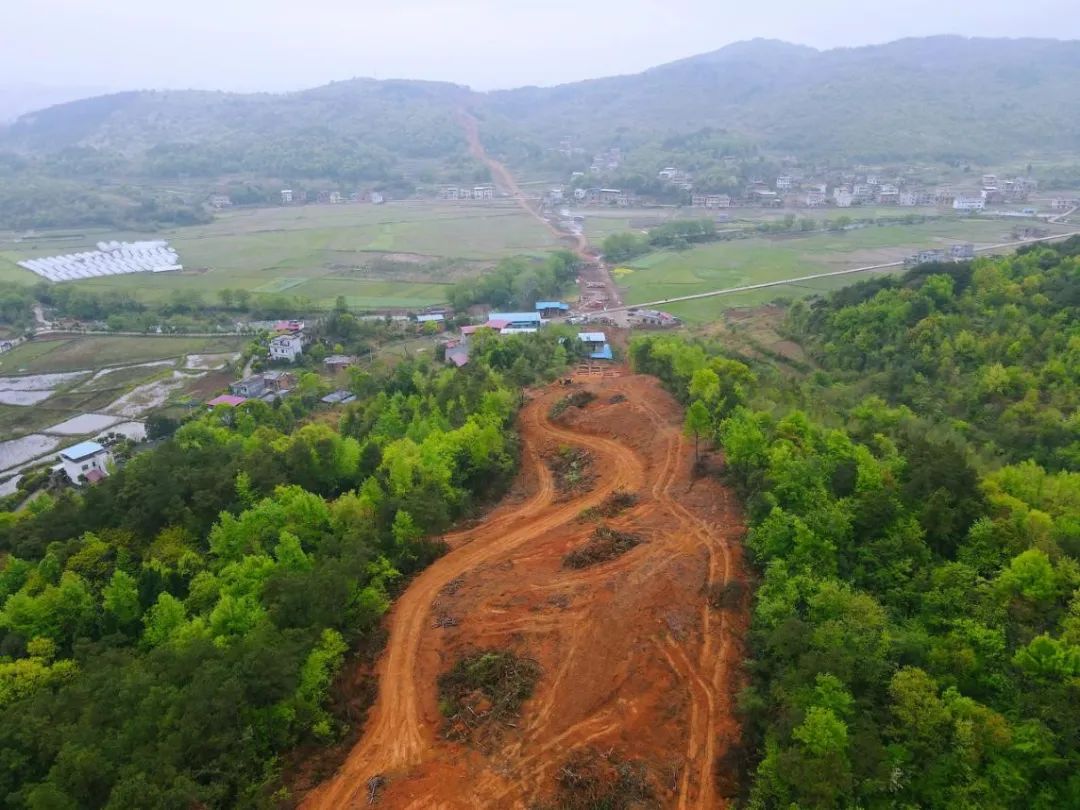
x=504 y=181
x=635 y=662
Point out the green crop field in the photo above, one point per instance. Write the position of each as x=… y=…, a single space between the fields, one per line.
x=670 y=274
x=77 y=352
x=314 y=251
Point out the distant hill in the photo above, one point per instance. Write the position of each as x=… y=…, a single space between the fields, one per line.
x=936 y=97
x=215 y=131
x=939 y=98
x=17 y=99
x=150 y=156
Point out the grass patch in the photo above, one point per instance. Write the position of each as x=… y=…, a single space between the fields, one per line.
x=483 y=693
x=613 y=505
x=605 y=544
x=572 y=468
x=590 y=780
x=578 y=399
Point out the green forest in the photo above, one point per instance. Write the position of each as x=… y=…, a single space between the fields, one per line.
x=914 y=524
x=169 y=636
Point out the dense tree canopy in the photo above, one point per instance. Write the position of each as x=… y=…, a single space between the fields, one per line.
x=916 y=630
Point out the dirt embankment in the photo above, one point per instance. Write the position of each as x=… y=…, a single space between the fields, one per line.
x=634 y=662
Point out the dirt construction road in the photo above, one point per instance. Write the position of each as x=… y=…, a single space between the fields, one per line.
x=635 y=663
x=506 y=183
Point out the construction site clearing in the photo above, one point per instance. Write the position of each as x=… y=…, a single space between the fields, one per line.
x=632 y=664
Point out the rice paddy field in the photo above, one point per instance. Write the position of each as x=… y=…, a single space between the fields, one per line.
x=57 y=389
x=69 y=353
x=398 y=255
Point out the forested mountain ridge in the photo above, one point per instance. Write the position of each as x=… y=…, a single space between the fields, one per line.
x=913 y=509
x=933 y=97
x=202 y=133
x=993 y=344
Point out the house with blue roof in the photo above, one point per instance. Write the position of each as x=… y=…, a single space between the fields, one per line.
x=597 y=345
x=85 y=461
x=509 y=323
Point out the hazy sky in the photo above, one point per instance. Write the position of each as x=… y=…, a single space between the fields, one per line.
x=290 y=44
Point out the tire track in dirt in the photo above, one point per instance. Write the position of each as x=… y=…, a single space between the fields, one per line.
x=401 y=740
x=717 y=662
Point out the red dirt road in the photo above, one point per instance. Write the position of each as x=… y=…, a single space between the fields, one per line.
x=505 y=182
x=634 y=660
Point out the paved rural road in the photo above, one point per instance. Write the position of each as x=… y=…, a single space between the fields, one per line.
x=797 y=279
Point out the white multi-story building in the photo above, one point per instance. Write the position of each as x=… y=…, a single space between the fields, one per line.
x=286 y=347
x=965 y=203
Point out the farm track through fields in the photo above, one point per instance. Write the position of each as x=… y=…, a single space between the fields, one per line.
x=635 y=663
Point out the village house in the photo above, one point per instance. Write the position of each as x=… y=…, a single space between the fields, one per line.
x=509 y=323
x=457 y=351
x=377 y=198
x=219 y=201
x=863 y=192
x=710 y=201
x=842 y=197
x=908 y=198
x=965 y=202
x=925 y=257
x=286 y=196
x=1018 y=189
x=278 y=382
x=1063 y=204
x=888 y=194
x=596 y=344
x=815 y=198
x=251 y=387
x=339 y=397
x=339 y=362
x=228 y=400
x=335 y=198
x=962 y=252
x=552 y=309
x=783 y=182
x=85 y=461
x=436 y=318
x=484 y=192
x=286 y=347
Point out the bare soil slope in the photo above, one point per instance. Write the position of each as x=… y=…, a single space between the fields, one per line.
x=635 y=663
